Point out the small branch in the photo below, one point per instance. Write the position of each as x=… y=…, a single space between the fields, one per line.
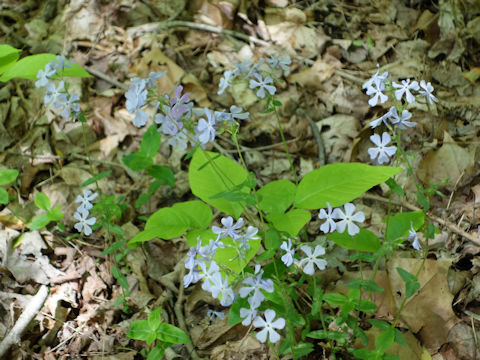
x=178 y=308
x=15 y=334
x=106 y=78
x=450 y=226
x=316 y=135
x=212 y=29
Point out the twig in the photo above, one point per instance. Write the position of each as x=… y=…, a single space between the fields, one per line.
x=106 y=78
x=178 y=308
x=34 y=306
x=316 y=135
x=450 y=226
x=213 y=29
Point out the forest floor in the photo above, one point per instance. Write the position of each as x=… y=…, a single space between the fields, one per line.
x=335 y=47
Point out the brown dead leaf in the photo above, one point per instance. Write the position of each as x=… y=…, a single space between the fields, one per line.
x=451 y=162
x=428 y=312
x=313 y=76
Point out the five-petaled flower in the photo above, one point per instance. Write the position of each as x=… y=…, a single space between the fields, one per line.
x=269 y=326
x=312 y=259
x=263 y=84
x=288 y=258
x=347 y=219
x=86 y=200
x=329 y=225
x=376 y=89
x=382 y=150
x=83 y=222
x=404 y=88
x=427 y=92
x=412 y=235
x=230 y=229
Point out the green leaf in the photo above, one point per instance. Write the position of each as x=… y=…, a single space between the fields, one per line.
x=399 y=339
x=405 y=275
x=8 y=56
x=210 y=173
x=365 y=240
x=234 y=312
x=411 y=284
x=267 y=255
x=399 y=225
x=155 y=318
x=366 y=305
x=168 y=223
x=230 y=258
x=121 y=279
x=7 y=176
x=302 y=349
x=385 y=340
x=162 y=173
x=140 y=330
x=336 y=299
x=272 y=240
x=55 y=214
x=96 y=178
x=39 y=222
x=379 y=324
x=3 y=196
x=365 y=284
x=42 y=201
x=395 y=187
x=291 y=222
x=137 y=161
x=276 y=196
x=150 y=142
x=171 y=334
x=157 y=352
x=339 y=183
x=27 y=68
x=331 y=335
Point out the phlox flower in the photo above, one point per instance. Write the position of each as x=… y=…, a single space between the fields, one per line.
x=61 y=64
x=262 y=84
x=288 y=258
x=250 y=234
x=383 y=118
x=347 y=219
x=427 y=92
x=226 y=81
x=382 y=150
x=329 y=225
x=53 y=93
x=83 y=222
x=191 y=278
x=405 y=88
x=377 y=91
x=412 y=235
x=230 y=229
x=220 y=288
x=269 y=326
x=401 y=121
x=69 y=105
x=207 y=274
x=45 y=75
x=376 y=77
x=154 y=76
x=311 y=259
x=284 y=63
x=255 y=284
x=249 y=314
x=86 y=200
x=205 y=129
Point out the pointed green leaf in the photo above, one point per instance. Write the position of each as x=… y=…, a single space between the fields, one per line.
x=339 y=183
x=276 y=196
x=171 y=334
x=291 y=222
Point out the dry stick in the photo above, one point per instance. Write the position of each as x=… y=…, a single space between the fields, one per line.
x=450 y=226
x=213 y=29
x=316 y=135
x=106 y=78
x=34 y=306
x=178 y=309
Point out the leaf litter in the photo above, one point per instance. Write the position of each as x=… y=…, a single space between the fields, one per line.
x=335 y=47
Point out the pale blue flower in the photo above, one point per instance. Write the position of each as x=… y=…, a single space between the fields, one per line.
x=45 y=75
x=412 y=235
x=383 y=151
x=69 y=104
x=140 y=118
x=221 y=289
x=53 y=93
x=377 y=91
x=243 y=67
x=226 y=81
x=249 y=314
x=311 y=259
x=191 y=278
x=329 y=225
x=375 y=78
x=262 y=84
x=86 y=200
x=401 y=121
x=269 y=326
x=383 y=118
x=275 y=62
x=154 y=76
x=427 y=92
x=207 y=274
x=230 y=229
x=405 y=88
x=205 y=130
x=83 y=222
x=348 y=218
x=255 y=285
x=288 y=258
x=61 y=64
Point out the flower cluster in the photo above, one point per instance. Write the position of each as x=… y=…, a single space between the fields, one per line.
x=376 y=86
x=346 y=220
x=254 y=74
x=57 y=94
x=309 y=259
x=175 y=113
x=83 y=212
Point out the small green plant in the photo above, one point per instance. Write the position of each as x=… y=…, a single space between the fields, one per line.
x=43 y=202
x=158 y=335
x=6 y=177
